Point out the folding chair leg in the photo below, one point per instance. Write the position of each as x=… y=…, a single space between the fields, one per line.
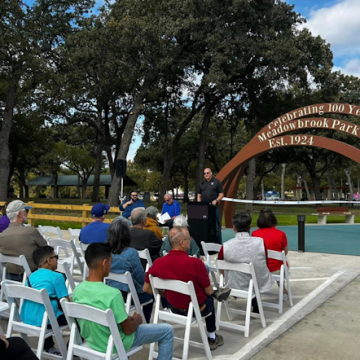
x=288 y=288
x=261 y=310
x=203 y=337
x=247 y=314
x=281 y=291
x=227 y=309
x=216 y=284
x=187 y=335
x=218 y=315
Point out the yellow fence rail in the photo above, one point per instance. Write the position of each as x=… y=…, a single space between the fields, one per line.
x=84 y=219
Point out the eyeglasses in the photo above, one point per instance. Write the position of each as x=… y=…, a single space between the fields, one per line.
x=134 y=195
x=52 y=257
x=168 y=200
x=206 y=173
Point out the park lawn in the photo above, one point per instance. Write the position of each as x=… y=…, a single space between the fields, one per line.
x=285 y=214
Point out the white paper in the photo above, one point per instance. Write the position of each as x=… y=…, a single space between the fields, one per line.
x=164 y=217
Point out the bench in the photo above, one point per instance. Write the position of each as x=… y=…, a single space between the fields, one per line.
x=323 y=212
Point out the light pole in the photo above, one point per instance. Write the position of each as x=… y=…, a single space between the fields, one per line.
x=158 y=183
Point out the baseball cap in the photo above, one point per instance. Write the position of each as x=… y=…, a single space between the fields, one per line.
x=151 y=210
x=98 y=210
x=16 y=206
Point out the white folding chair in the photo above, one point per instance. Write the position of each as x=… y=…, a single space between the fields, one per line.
x=50 y=230
x=83 y=248
x=211 y=265
x=70 y=282
x=77 y=347
x=145 y=254
x=16 y=324
x=74 y=233
x=16 y=260
x=193 y=309
x=283 y=277
x=131 y=295
x=253 y=291
x=72 y=258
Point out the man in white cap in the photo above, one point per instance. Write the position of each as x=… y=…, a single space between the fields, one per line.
x=18 y=239
x=97 y=230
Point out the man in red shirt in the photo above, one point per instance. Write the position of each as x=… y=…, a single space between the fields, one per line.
x=177 y=265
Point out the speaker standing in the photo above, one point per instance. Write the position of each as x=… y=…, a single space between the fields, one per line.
x=211 y=192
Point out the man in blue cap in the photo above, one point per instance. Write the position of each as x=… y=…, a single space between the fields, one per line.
x=96 y=231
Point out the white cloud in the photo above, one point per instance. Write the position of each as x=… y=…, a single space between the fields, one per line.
x=339 y=25
x=351 y=67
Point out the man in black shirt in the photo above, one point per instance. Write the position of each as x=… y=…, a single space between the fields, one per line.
x=211 y=191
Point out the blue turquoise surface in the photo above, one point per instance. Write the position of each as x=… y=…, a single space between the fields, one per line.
x=332 y=239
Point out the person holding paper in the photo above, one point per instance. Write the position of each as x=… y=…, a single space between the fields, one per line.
x=172 y=207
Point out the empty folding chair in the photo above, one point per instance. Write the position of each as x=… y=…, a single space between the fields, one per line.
x=52 y=230
x=211 y=265
x=132 y=295
x=77 y=347
x=83 y=248
x=145 y=254
x=193 y=316
x=73 y=259
x=16 y=324
x=283 y=277
x=253 y=291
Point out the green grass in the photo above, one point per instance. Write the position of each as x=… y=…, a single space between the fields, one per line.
x=286 y=215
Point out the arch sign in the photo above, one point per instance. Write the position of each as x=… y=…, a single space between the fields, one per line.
x=273 y=136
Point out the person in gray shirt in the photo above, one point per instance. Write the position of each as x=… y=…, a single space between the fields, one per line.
x=18 y=239
x=246 y=249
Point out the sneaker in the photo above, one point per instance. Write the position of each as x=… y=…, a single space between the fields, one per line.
x=53 y=351
x=215 y=343
x=285 y=297
x=222 y=294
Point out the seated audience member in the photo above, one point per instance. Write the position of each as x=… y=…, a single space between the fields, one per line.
x=125 y=258
x=4 y=220
x=246 y=249
x=93 y=292
x=172 y=207
x=15 y=348
x=96 y=231
x=177 y=265
x=180 y=222
x=274 y=239
x=128 y=206
x=143 y=239
x=151 y=221
x=18 y=239
x=54 y=283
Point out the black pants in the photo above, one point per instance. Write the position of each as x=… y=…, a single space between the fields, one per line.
x=19 y=350
x=209 y=308
x=49 y=342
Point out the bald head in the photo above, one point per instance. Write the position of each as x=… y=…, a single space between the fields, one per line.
x=176 y=235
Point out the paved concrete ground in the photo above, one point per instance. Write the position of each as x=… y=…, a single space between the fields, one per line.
x=324 y=317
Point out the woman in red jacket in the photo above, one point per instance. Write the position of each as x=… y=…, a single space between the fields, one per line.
x=274 y=239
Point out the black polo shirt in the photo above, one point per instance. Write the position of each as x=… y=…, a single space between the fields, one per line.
x=210 y=190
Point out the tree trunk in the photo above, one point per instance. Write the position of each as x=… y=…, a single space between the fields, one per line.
x=186 y=186
x=56 y=188
x=331 y=189
x=168 y=163
x=316 y=187
x=307 y=189
x=78 y=187
x=4 y=141
x=96 y=187
x=84 y=186
x=250 y=181
x=283 y=181
x=201 y=151
x=351 y=188
x=128 y=134
x=262 y=190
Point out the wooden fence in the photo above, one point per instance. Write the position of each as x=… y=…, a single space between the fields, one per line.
x=85 y=217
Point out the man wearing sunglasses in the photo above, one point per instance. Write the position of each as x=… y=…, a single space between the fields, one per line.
x=211 y=192
x=128 y=206
x=18 y=239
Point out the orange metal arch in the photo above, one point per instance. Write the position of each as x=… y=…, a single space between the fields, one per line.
x=233 y=170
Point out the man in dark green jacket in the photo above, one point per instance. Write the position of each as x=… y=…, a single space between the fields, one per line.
x=180 y=221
